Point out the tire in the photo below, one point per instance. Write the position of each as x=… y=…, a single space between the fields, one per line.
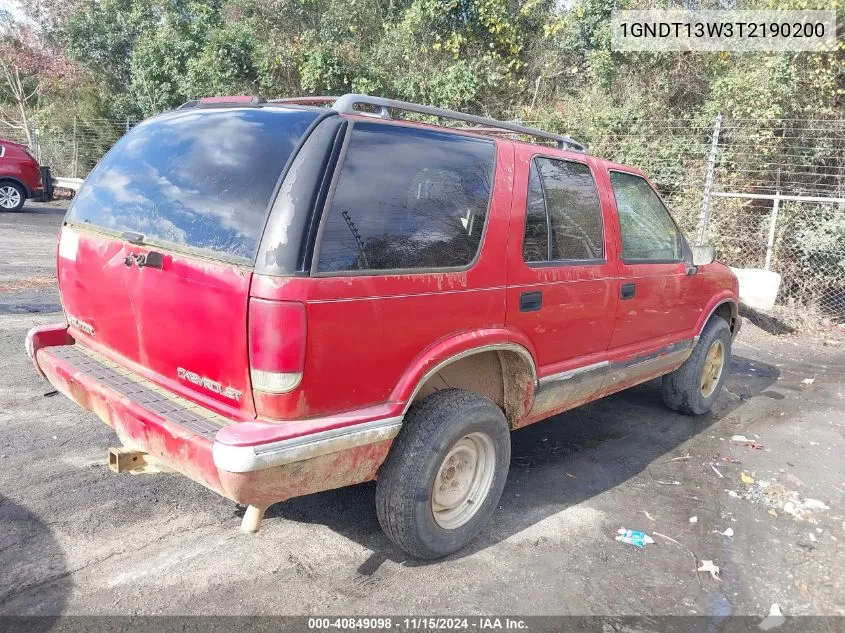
x=687 y=389
x=415 y=516
x=12 y=196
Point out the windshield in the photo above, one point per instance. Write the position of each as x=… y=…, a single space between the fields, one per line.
x=195 y=179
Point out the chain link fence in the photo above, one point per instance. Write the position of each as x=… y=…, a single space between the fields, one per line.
x=776 y=197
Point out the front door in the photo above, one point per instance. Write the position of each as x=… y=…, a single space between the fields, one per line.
x=656 y=311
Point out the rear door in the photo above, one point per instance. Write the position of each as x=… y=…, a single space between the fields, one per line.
x=156 y=255
x=561 y=274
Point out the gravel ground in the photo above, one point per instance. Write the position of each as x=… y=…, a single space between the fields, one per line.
x=77 y=539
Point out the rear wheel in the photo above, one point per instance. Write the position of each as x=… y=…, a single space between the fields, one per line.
x=694 y=387
x=444 y=474
x=12 y=196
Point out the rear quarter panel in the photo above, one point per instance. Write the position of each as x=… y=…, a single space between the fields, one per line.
x=366 y=331
x=17 y=164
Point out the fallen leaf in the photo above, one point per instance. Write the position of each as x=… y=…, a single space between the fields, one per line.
x=648 y=516
x=707 y=565
x=772 y=512
x=745 y=478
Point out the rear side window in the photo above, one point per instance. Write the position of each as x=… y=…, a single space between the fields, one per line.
x=407 y=198
x=563 y=216
x=648 y=231
x=196 y=179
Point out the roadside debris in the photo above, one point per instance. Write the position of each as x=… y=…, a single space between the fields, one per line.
x=774 y=619
x=648 y=516
x=707 y=565
x=695 y=559
x=716 y=470
x=780 y=499
x=747 y=441
x=669 y=483
x=815 y=504
x=637 y=539
x=809 y=381
x=693 y=520
x=728 y=532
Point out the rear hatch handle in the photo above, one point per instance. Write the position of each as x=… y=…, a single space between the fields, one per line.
x=153 y=259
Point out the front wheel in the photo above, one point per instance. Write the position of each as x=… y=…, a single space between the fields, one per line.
x=694 y=387
x=444 y=474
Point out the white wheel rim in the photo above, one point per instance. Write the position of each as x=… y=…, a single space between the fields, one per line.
x=463 y=480
x=10 y=197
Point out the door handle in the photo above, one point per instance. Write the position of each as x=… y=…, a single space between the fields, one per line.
x=628 y=291
x=530 y=301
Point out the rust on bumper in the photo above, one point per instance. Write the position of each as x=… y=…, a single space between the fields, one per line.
x=296 y=467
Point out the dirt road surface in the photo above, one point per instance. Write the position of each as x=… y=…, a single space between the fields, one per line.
x=77 y=539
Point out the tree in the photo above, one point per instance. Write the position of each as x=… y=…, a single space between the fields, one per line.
x=27 y=70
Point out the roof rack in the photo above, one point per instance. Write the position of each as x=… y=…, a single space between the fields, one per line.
x=346 y=105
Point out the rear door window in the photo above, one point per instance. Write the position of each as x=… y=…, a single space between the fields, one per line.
x=563 y=220
x=649 y=235
x=407 y=198
x=195 y=179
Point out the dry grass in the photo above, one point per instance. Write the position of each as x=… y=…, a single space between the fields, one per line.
x=28 y=284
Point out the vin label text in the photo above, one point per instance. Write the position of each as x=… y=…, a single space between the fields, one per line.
x=711 y=31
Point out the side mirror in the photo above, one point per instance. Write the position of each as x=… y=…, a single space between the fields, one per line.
x=703 y=255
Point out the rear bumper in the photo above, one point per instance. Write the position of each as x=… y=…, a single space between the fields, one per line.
x=255 y=463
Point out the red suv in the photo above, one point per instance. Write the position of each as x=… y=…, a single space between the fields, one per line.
x=21 y=177
x=275 y=298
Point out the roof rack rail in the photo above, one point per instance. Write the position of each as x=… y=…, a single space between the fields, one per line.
x=305 y=100
x=224 y=101
x=346 y=105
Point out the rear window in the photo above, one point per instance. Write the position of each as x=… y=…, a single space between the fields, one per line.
x=407 y=198
x=196 y=179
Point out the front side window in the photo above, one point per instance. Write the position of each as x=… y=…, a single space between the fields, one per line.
x=407 y=198
x=563 y=213
x=648 y=232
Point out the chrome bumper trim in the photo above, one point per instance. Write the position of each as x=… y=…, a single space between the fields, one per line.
x=244 y=459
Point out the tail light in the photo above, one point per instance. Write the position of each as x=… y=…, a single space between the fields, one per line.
x=276 y=345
